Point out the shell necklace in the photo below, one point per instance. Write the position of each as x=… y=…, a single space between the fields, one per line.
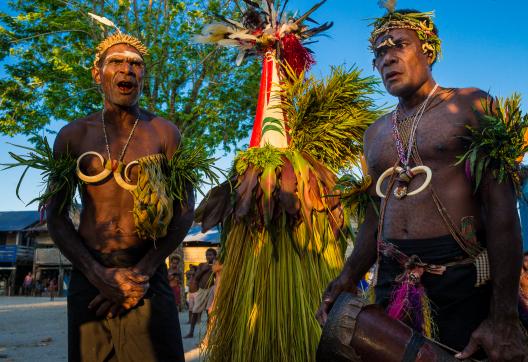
x=115 y=167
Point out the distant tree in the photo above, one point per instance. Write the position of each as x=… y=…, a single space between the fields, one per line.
x=47 y=50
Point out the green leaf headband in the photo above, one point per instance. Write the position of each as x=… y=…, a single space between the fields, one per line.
x=422 y=23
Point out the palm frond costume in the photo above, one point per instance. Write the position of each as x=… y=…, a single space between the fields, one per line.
x=282 y=239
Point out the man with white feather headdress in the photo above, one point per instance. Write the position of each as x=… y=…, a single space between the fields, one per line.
x=135 y=179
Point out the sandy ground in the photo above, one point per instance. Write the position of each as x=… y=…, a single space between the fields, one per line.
x=34 y=329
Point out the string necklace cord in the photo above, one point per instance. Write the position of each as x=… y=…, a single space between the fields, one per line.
x=404 y=156
x=122 y=155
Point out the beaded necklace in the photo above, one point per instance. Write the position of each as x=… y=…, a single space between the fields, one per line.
x=406 y=174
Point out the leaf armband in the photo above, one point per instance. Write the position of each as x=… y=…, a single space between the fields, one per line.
x=498 y=145
x=190 y=166
x=58 y=173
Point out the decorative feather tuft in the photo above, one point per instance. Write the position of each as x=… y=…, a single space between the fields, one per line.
x=390 y=5
x=410 y=304
x=266 y=27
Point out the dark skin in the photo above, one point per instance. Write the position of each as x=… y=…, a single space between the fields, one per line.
x=202 y=277
x=106 y=223
x=193 y=287
x=204 y=271
x=524 y=283
x=406 y=74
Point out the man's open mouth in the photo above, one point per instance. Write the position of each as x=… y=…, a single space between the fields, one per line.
x=126 y=87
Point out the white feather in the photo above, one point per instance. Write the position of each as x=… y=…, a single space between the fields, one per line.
x=217 y=29
x=228 y=43
x=236 y=23
x=240 y=57
x=103 y=20
x=387 y=4
x=242 y=35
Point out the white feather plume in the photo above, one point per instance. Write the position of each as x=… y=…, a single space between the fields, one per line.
x=390 y=5
x=104 y=21
x=240 y=57
x=243 y=35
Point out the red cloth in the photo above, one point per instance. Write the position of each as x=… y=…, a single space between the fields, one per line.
x=263 y=99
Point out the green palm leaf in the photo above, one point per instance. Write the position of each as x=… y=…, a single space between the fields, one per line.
x=328 y=118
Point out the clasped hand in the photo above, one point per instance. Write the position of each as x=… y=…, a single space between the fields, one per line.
x=119 y=289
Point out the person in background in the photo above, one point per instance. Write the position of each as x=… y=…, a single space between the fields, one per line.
x=192 y=288
x=27 y=284
x=52 y=288
x=174 y=283
x=204 y=278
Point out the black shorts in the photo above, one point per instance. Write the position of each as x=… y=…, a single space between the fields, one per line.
x=458 y=306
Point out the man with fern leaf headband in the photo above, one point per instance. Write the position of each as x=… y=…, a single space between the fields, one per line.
x=446 y=240
x=120 y=305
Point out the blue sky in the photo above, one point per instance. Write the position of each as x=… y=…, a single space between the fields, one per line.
x=484 y=46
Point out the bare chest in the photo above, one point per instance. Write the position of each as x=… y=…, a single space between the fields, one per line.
x=95 y=151
x=438 y=141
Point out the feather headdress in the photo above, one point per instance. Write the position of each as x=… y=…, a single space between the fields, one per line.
x=267 y=25
x=390 y=5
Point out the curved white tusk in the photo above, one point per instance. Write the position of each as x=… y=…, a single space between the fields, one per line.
x=96 y=178
x=125 y=173
x=120 y=181
x=383 y=176
x=428 y=177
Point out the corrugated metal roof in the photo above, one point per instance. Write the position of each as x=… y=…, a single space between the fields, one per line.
x=18 y=220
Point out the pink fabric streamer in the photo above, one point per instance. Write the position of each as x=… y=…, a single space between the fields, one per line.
x=407 y=304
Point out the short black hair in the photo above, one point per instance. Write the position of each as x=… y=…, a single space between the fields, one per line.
x=212 y=250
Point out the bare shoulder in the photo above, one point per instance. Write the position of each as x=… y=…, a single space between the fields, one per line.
x=472 y=99
x=468 y=102
x=169 y=134
x=68 y=137
x=470 y=95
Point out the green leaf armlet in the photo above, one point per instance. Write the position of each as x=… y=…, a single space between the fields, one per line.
x=58 y=174
x=190 y=166
x=498 y=144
